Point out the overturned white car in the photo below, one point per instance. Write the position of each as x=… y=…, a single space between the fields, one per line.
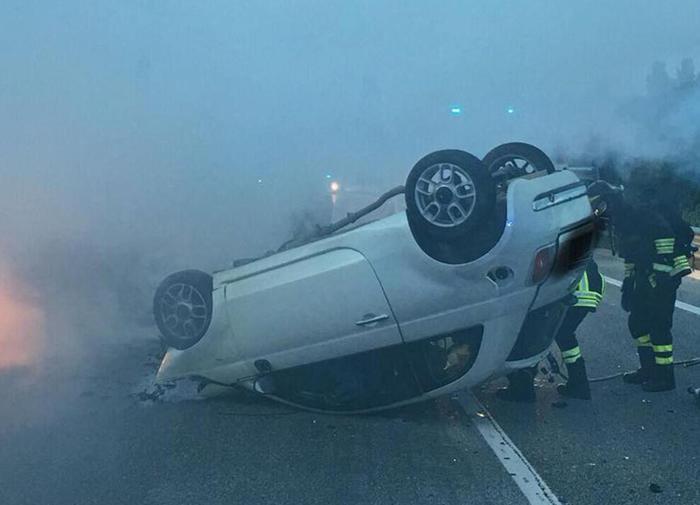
x=470 y=282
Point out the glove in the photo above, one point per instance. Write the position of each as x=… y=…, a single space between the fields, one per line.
x=627 y=291
x=666 y=282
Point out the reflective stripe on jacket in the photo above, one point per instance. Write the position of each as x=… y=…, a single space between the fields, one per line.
x=652 y=246
x=591 y=288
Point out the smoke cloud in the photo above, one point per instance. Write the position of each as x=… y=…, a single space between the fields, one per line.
x=141 y=138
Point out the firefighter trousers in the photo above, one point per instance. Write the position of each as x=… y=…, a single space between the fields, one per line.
x=566 y=336
x=651 y=316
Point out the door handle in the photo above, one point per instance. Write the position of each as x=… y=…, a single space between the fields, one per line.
x=370 y=319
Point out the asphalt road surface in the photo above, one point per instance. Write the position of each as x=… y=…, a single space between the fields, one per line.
x=83 y=435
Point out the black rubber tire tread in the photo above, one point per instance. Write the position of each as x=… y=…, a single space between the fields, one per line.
x=498 y=155
x=204 y=283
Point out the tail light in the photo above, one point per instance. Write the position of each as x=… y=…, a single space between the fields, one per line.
x=543 y=263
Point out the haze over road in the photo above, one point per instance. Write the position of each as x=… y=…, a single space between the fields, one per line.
x=83 y=435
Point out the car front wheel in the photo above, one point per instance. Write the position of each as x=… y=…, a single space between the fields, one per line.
x=182 y=308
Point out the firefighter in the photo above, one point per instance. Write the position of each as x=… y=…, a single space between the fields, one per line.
x=655 y=248
x=589 y=293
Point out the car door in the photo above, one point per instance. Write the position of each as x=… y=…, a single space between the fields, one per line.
x=317 y=308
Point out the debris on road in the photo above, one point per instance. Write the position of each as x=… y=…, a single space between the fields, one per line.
x=149 y=391
x=155 y=393
x=655 y=488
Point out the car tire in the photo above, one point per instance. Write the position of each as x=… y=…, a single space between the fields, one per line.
x=516 y=159
x=448 y=194
x=182 y=308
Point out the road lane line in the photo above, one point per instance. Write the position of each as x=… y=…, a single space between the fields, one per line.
x=533 y=487
x=681 y=305
x=612 y=281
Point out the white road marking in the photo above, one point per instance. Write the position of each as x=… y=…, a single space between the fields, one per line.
x=530 y=483
x=681 y=305
x=518 y=467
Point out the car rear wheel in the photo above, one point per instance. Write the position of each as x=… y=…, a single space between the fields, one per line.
x=182 y=307
x=448 y=193
x=517 y=159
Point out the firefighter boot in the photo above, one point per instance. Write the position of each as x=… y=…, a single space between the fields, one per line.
x=521 y=387
x=662 y=379
x=577 y=385
x=646 y=365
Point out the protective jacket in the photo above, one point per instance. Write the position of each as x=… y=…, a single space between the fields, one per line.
x=653 y=249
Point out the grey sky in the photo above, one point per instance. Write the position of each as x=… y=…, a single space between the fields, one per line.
x=152 y=122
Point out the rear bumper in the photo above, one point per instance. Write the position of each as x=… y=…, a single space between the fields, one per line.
x=574 y=249
x=537 y=332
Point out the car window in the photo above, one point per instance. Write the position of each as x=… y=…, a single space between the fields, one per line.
x=356 y=382
x=442 y=359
